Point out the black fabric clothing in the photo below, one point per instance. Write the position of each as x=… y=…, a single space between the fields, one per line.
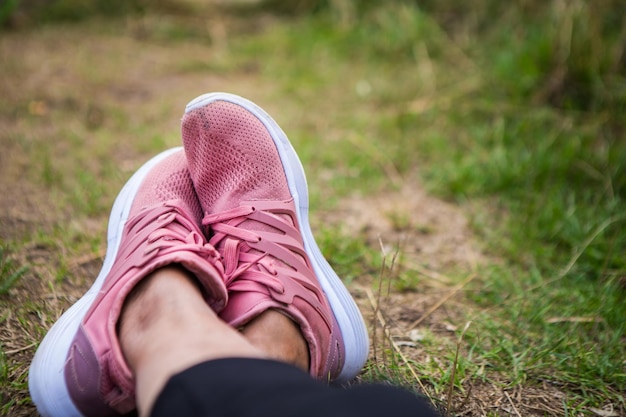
x=242 y=387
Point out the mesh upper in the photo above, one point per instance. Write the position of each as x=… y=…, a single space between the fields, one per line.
x=169 y=180
x=235 y=154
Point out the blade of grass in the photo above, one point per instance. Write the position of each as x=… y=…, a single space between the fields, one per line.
x=396 y=348
x=443 y=300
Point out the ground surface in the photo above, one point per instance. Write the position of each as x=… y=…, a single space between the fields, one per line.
x=84 y=103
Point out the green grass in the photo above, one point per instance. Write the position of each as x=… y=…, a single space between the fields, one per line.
x=9 y=272
x=517 y=119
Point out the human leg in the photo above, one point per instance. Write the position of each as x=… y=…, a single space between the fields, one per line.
x=188 y=362
x=252 y=189
x=253 y=192
x=79 y=368
x=85 y=367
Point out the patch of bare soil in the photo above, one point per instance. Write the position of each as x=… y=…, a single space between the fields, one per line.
x=430 y=232
x=426 y=236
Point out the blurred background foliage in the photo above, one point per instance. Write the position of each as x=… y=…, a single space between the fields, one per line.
x=548 y=115
x=571 y=53
x=547 y=118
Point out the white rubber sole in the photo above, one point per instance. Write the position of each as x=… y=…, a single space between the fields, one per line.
x=46 y=380
x=346 y=312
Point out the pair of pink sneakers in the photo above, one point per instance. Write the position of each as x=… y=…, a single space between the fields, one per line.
x=232 y=208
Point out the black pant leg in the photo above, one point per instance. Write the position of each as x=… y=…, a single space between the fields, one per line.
x=261 y=388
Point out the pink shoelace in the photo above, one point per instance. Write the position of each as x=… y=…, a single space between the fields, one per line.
x=163 y=230
x=258 y=259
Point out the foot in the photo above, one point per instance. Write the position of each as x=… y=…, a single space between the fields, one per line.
x=253 y=191
x=79 y=368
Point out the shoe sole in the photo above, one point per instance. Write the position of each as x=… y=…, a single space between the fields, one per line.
x=344 y=308
x=46 y=380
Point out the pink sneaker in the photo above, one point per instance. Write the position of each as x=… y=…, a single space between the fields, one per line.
x=79 y=368
x=253 y=191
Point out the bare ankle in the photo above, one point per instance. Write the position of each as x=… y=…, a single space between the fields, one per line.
x=279 y=337
x=166 y=326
